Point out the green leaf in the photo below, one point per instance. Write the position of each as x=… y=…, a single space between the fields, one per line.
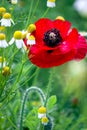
x=32 y=120
x=51 y=102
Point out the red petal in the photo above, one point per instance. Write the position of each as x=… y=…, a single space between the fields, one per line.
x=42 y=26
x=42 y=58
x=73 y=46
x=70 y=42
x=62 y=26
x=81 y=48
x=72 y=37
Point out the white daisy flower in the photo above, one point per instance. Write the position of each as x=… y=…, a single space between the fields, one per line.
x=17 y=39
x=3 y=42
x=44 y=120
x=51 y=3
x=31 y=40
x=42 y=112
x=6 y=20
x=14 y=1
x=81 y=7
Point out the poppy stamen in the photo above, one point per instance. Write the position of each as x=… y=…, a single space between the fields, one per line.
x=52 y=37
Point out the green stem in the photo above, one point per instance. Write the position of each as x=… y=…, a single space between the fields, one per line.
x=49 y=85
x=11 y=122
x=45 y=13
x=2 y=1
x=35 y=8
x=81 y=120
x=31 y=6
x=41 y=127
x=14 y=83
x=36 y=76
x=28 y=79
x=12 y=57
x=29 y=90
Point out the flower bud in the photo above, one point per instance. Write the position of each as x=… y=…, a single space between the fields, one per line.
x=42 y=112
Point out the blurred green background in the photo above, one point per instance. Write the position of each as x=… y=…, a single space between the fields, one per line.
x=69 y=81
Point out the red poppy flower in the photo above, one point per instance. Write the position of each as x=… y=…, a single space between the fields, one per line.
x=56 y=43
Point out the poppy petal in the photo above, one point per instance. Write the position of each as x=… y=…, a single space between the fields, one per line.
x=62 y=26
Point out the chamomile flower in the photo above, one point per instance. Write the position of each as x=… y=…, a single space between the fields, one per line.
x=36 y=103
x=31 y=28
x=51 y=3
x=6 y=71
x=2 y=11
x=42 y=112
x=18 y=39
x=60 y=18
x=3 y=42
x=44 y=120
x=31 y=40
x=2 y=28
x=2 y=62
x=81 y=7
x=14 y=1
x=6 y=20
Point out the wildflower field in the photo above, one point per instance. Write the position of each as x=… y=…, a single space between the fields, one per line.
x=43 y=65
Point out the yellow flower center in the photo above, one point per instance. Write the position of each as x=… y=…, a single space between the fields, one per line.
x=35 y=103
x=2 y=59
x=42 y=109
x=7 y=16
x=31 y=37
x=31 y=28
x=51 y=0
x=2 y=36
x=44 y=120
x=60 y=18
x=2 y=28
x=18 y=35
x=2 y=10
x=6 y=71
x=24 y=33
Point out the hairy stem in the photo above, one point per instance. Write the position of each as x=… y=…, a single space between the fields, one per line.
x=49 y=85
x=29 y=90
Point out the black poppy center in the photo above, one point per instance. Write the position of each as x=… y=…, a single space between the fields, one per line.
x=52 y=37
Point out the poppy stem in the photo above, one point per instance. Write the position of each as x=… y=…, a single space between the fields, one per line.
x=49 y=86
x=27 y=92
x=36 y=76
